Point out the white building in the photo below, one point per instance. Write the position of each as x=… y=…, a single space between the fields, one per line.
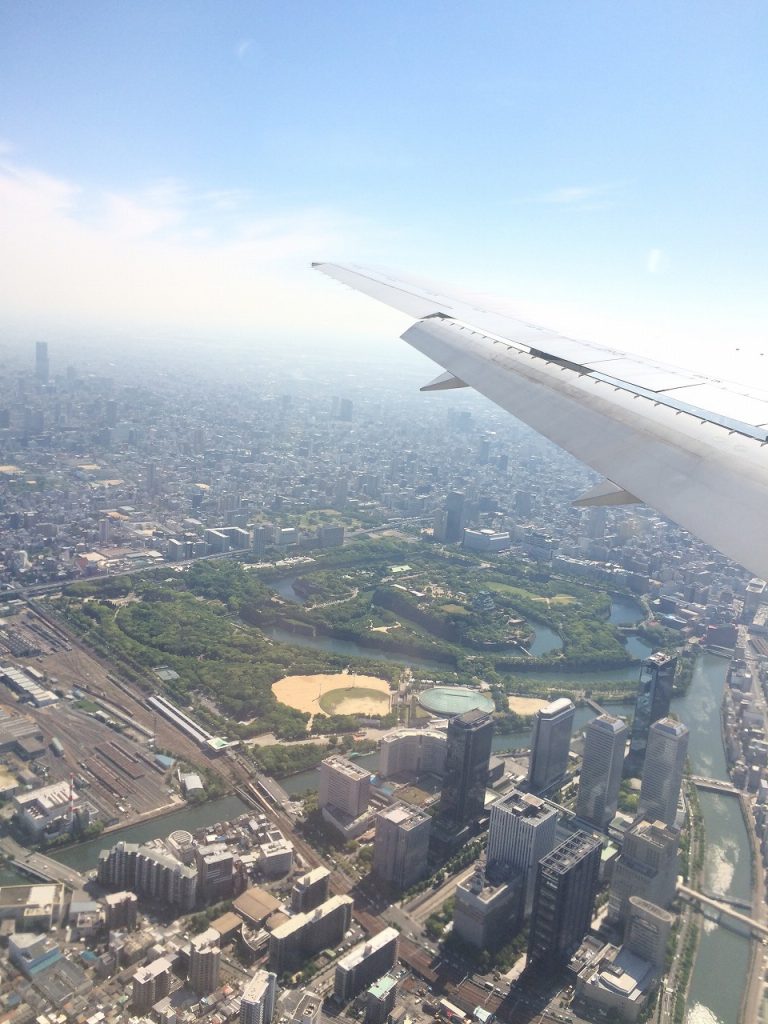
x=521 y=831
x=413 y=751
x=344 y=785
x=259 y=996
x=550 y=744
x=601 y=770
x=663 y=771
x=49 y=809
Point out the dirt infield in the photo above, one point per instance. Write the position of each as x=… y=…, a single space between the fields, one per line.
x=526 y=705
x=337 y=690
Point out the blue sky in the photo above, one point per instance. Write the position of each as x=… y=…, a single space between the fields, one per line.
x=177 y=165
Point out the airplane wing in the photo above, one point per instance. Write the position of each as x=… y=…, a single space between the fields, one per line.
x=689 y=445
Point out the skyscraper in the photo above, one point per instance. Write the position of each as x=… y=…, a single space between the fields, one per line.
x=566 y=884
x=259 y=995
x=455 y=516
x=401 y=845
x=466 y=767
x=344 y=785
x=601 y=769
x=522 y=830
x=647 y=867
x=663 y=771
x=550 y=743
x=654 y=694
x=41 y=361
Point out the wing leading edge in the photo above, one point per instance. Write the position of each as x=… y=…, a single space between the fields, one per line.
x=691 y=446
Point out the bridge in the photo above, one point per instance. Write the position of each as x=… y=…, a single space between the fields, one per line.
x=724 y=909
x=37 y=865
x=715 y=785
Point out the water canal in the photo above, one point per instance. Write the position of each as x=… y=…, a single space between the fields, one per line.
x=720 y=972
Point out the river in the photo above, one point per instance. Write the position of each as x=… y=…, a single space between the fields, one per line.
x=85 y=856
x=720 y=972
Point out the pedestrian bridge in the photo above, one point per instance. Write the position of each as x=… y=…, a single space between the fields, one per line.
x=725 y=910
x=714 y=785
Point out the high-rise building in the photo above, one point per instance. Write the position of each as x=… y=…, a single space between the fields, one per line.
x=380 y=1000
x=401 y=845
x=151 y=984
x=462 y=797
x=487 y=912
x=648 y=931
x=413 y=751
x=122 y=910
x=259 y=996
x=654 y=696
x=365 y=963
x=601 y=769
x=647 y=867
x=204 y=962
x=306 y=934
x=566 y=884
x=310 y=890
x=41 y=361
x=550 y=744
x=455 y=520
x=344 y=785
x=522 y=830
x=663 y=771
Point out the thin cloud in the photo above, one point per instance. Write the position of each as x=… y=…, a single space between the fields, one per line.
x=656 y=261
x=168 y=256
x=242 y=48
x=581 y=197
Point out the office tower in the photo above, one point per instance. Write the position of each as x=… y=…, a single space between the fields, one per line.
x=310 y=890
x=215 y=872
x=151 y=984
x=550 y=743
x=204 y=962
x=522 y=830
x=601 y=770
x=648 y=931
x=259 y=995
x=413 y=751
x=663 y=771
x=487 y=912
x=647 y=867
x=455 y=517
x=364 y=964
x=654 y=695
x=345 y=409
x=344 y=785
x=566 y=884
x=462 y=797
x=41 y=361
x=110 y=413
x=401 y=845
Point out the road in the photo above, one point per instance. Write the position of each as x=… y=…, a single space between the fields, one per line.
x=46 y=867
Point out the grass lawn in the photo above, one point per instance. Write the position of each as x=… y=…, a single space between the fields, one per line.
x=335 y=700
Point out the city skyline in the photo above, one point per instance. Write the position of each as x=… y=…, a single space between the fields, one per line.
x=177 y=170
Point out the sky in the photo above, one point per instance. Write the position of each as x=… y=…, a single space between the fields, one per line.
x=172 y=168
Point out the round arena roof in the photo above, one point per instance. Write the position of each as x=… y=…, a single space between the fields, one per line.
x=454 y=700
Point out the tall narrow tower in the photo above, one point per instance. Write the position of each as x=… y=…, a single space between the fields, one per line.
x=601 y=769
x=550 y=743
x=41 y=361
x=663 y=771
x=466 y=767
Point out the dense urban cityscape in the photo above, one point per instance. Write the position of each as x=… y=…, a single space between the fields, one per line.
x=325 y=702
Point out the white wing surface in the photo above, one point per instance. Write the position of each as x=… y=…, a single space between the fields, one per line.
x=691 y=446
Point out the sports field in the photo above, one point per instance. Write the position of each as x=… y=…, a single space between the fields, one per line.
x=340 y=693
